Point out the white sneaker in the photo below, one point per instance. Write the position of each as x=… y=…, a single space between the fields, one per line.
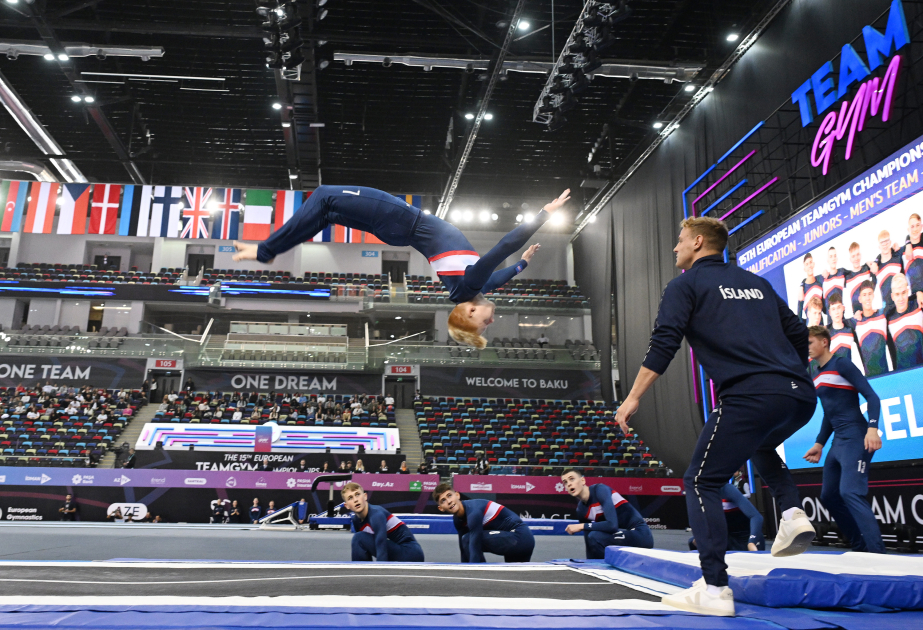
x=794 y=536
x=698 y=600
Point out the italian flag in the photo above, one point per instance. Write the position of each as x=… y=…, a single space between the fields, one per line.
x=257 y=215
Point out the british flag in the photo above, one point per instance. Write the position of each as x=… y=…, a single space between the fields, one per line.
x=195 y=217
x=227 y=222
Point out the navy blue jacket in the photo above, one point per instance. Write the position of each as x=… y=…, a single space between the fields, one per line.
x=608 y=511
x=839 y=383
x=746 y=337
x=380 y=523
x=482 y=515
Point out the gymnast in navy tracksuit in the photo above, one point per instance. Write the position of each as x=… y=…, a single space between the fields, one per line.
x=466 y=276
x=755 y=350
x=745 y=523
x=608 y=519
x=855 y=440
x=484 y=525
x=379 y=533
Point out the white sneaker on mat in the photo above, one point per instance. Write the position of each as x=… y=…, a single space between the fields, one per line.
x=698 y=600
x=794 y=536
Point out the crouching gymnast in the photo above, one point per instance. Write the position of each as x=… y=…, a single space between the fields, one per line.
x=466 y=275
x=484 y=525
x=379 y=534
x=607 y=519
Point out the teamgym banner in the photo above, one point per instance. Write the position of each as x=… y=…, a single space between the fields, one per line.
x=510 y=382
x=229 y=379
x=512 y=484
x=284 y=462
x=266 y=438
x=147 y=478
x=74 y=371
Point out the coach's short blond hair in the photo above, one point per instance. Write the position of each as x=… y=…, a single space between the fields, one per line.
x=714 y=231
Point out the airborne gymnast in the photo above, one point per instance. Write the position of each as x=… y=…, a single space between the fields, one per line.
x=465 y=274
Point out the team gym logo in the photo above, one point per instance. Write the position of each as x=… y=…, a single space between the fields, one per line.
x=483 y=487
x=670 y=489
x=195 y=481
x=231 y=482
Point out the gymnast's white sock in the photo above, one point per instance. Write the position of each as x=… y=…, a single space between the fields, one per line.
x=713 y=590
x=789 y=513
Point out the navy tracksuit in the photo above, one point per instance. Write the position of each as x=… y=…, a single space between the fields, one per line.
x=397 y=223
x=488 y=526
x=611 y=521
x=744 y=522
x=755 y=350
x=846 y=477
x=385 y=537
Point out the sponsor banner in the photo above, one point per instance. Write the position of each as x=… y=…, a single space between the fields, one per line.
x=895 y=494
x=159 y=478
x=73 y=371
x=510 y=382
x=162 y=292
x=181 y=505
x=510 y=484
x=900 y=426
x=310 y=382
x=234 y=437
x=285 y=462
x=869 y=194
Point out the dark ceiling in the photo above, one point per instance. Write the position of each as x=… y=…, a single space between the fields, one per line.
x=386 y=127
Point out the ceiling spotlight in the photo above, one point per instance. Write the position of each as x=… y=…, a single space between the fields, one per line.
x=48 y=56
x=277 y=105
x=76 y=98
x=689 y=87
x=467 y=215
x=455 y=216
x=592 y=219
x=12 y=1
x=427 y=212
x=89 y=99
x=518 y=218
x=286 y=124
x=323 y=13
x=397 y=317
x=528 y=217
x=321 y=3
x=469 y=116
x=733 y=37
x=658 y=125
x=558 y=218
x=494 y=216
x=523 y=25
x=488 y=116
x=484 y=216
x=63 y=57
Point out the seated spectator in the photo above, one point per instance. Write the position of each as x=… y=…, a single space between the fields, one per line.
x=33 y=414
x=302 y=466
x=157 y=519
x=422 y=468
x=203 y=406
x=256 y=414
x=481 y=465
x=256 y=512
x=403 y=469
x=69 y=509
x=238 y=415
x=294 y=414
x=389 y=401
x=342 y=467
x=172 y=396
x=543 y=341
x=116 y=516
x=20 y=389
x=384 y=467
x=360 y=467
x=130 y=461
x=274 y=412
x=349 y=466
x=417 y=396
x=164 y=405
x=326 y=468
x=48 y=388
x=264 y=465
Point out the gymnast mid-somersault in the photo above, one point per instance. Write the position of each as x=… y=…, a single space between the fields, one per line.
x=466 y=275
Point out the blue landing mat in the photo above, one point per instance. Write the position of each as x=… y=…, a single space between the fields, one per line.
x=786 y=587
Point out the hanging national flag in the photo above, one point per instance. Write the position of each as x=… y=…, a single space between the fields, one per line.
x=324 y=236
x=165 y=208
x=257 y=215
x=13 y=195
x=105 y=208
x=195 y=217
x=287 y=201
x=226 y=225
x=40 y=214
x=73 y=218
x=346 y=235
x=130 y=223
x=413 y=200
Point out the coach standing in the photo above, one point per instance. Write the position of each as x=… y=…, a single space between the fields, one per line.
x=756 y=351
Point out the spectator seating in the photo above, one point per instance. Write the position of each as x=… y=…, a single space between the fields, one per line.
x=540 y=437
x=62 y=336
x=582 y=350
x=58 y=272
x=522 y=293
x=223 y=405
x=285 y=356
x=55 y=439
x=375 y=285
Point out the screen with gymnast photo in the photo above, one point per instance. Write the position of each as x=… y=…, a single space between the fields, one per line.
x=853 y=262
